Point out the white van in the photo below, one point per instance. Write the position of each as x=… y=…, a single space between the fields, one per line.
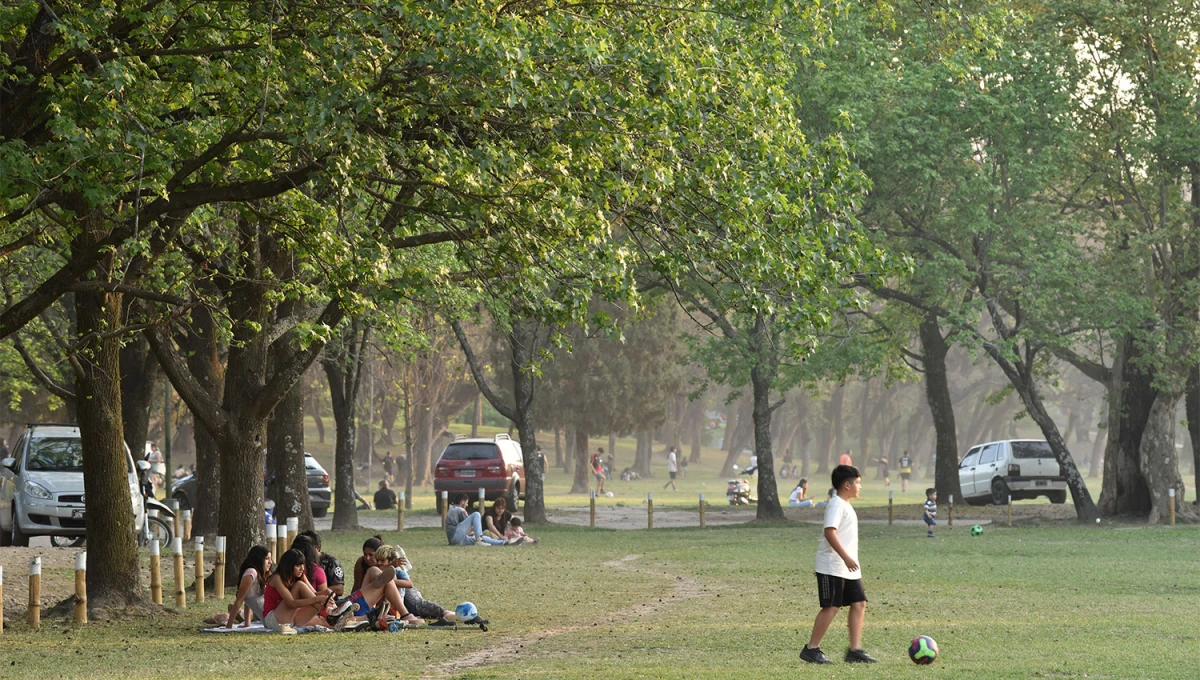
x=1022 y=468
x=41 y=486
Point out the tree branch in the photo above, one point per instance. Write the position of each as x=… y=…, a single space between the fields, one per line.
x=476 y=372
x=290 y=372
x=41 y=376
x=203 y=405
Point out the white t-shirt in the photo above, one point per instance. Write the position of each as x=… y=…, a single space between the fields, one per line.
x=840 y=515
x=753 y=461
x=672 y=463
x=795 y=497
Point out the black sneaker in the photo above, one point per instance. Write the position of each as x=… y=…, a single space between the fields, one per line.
x=379 y=615
x=340 y=615
x=442 y=623
x=859 y=656
x=814 y=655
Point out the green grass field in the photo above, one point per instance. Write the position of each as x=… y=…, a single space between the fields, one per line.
x=1059 y=601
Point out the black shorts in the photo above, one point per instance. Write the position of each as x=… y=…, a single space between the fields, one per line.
x=905 y=475
x=835 y=591
x=673 y=473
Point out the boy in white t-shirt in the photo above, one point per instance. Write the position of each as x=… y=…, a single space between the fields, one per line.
x=672 y=469
x=839 y=578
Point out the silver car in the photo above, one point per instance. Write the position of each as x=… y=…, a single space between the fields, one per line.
x=41 y=486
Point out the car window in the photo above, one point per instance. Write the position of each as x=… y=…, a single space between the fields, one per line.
x=989 y=454
x=57 y=454
x=477 y=451
x=970 y=460
x=1031 y=450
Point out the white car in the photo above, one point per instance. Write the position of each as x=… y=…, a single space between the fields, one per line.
x=41 y=486
x=1020 y=468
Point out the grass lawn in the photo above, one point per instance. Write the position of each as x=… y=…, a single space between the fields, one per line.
x=715 y=603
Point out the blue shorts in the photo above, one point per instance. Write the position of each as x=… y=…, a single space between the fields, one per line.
x=929 y=520
x=361 y=606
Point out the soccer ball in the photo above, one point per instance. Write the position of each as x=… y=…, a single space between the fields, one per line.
x=608 y=494
x=976 y=530
x=923 y=650
x=465 y=611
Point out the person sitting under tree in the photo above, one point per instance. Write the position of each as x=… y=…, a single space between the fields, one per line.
x=464 y=529
x=385 y=498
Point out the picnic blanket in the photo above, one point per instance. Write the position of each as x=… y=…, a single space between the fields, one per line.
x=257 y=627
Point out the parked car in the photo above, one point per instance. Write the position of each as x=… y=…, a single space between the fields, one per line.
x=41 y=486
x=320 y=495
x=495 y=464
x=1022 y=468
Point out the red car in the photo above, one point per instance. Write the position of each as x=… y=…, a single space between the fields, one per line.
x=494 y=464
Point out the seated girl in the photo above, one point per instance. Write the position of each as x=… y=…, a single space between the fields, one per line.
x=313 y=570
x=366 y=561
x=799 y=497
x=495 y=522
x=289 y=599
x=255 y=570
x=516 y=533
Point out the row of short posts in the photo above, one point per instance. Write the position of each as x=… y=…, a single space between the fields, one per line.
x=649 y=510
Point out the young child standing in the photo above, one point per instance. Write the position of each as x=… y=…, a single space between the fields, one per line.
x=929 y=511
x=839 y=578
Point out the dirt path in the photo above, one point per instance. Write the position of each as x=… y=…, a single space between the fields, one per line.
x=507 y=649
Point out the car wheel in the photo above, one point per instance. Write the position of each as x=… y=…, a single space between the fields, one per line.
x=1057 y=497
x=438 y=496
x=182 y=498
x=320 y=512
x=5 y=539
x=19 y=539
x=67 y=541
x=999 y=492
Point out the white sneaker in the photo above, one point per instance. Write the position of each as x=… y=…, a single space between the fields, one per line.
x=287 y=629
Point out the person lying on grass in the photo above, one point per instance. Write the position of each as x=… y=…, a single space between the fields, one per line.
x=381 y=593
x=289 y=599
x=416 y=603
x=365 y=562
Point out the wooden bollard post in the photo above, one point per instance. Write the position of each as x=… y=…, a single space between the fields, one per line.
x=1171 y=504
x=482 y=500
x=1 y=600
x=400 y=512
x=293 y=529
x=187 y=525
x=180 y=595
x=155 y=573
x=592 y=508
x=177 y=517
x=35 y=593
x=199 y=584
x=950 y=514
x=271 y=542
x=650 y=510
x=445 y=507
x=81 y=588
x=890 y=515
x=281 y=543
x=219 y=569
x=702 y=523
x=1010 y=511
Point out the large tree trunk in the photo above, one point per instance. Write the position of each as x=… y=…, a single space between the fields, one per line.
x=941 y=408
x=285 y=459
x=742 y=435
x=697 y=435
x=1160 y=463
x=113 y=576
x=559 y=457
x=1192 y=408
x=340 y=373
x=314 y=410
x=139 y=372
x=645 y=449
x=477 y=414
x=422 y=443
x=580 y=484
x=1131 y=395
x=199 y=346
x=243 y=460
x=523 y=342
x=762 y=375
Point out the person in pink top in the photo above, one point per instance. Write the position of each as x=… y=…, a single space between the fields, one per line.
x=515 y=535
x=312 y=564
x=289 y=599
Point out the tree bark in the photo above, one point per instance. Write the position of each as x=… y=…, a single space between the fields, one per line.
x=139 y=372
x=285 y=459
x=762 y=375
x=941 y=408
x=113 y=576
x=1131 y=395
x=199 y=344
x=343 y=371
x=581 y=482
x=697 y=435
x=314 y=410
x=477 y=414
x=1160 y=464
x=559 y=457
x=1192 y=409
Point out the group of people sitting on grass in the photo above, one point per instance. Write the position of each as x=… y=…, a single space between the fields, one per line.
x=497 y=527
x=307 y=587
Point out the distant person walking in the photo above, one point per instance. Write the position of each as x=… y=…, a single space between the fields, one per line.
x=598 y=470
x=905 y=470
x=672 y=469
x=846 y=459
x=389 y=464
